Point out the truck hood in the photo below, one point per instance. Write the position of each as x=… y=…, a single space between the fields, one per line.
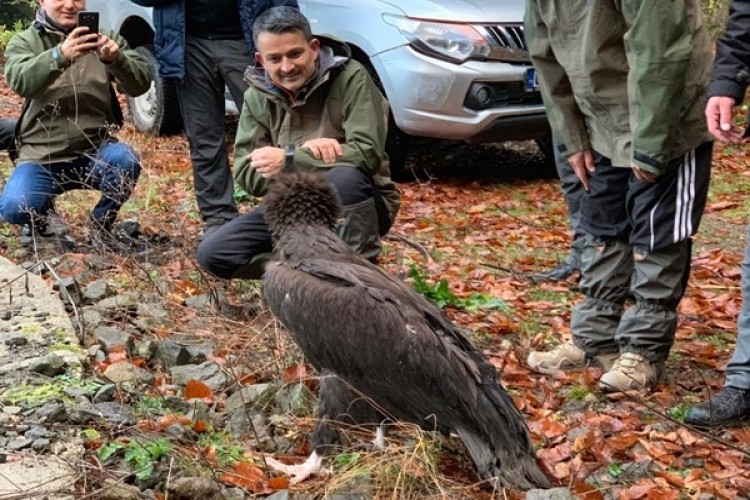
x=472 y=11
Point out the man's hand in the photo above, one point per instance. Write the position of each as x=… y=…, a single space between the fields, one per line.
x=324 y=148
x=268 y=160
x=107 y=50
x=79 y=43
x=719 y=119
x=643 y=175
x=583 y=164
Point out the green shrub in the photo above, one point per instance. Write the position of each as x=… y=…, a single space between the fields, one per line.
x=17 y=10
x=6 y=34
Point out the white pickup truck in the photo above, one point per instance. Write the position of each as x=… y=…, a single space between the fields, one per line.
x=451 y=69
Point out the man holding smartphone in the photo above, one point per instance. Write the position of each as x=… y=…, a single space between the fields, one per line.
x=65 y=138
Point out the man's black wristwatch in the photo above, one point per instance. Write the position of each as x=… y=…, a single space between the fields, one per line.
x=289 y=157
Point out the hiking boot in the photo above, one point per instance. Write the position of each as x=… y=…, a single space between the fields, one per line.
x=730 y=406
x=51 y=227
x=116 y=240
x=568 y=356
x=559 y=273
x=631 y=372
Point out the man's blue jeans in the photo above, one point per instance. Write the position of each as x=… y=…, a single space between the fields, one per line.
x=113 y=169
x=738 y=369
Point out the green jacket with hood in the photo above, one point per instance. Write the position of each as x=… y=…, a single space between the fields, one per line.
x=68 y=108
x=626 y=78
x=341 y=102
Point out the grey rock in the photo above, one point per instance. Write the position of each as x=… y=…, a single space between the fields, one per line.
x=109 y=336
x=49 y=365
x=202 y=301
x=111 y=412
x=180 y=432
x=51 y=413
x=12 y=410
x=152 y=310
x=186 y=488
x=233 y=494
x=210 y=373
x=252 y=396
x=36 y=432
x=15 y=339
x=128 y=300
x=19 y=444
x=550 y=494
x=92 y=318
x=70 y=291
x=146 y=349
x=254 y=429
x=117 y=490
x=184 y=349
x=105 y=393
x=119 y=373
x=41 y=444
x=295 y=399
x=96 y=291
x=280 y=495
x=177 y=404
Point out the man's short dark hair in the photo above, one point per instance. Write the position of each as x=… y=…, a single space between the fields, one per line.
x=279 y=20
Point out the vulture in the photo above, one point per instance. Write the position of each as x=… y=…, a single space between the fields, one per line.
x=371 y=335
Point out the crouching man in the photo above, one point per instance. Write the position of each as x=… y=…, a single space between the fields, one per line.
x=65 y=135
x=310 y=106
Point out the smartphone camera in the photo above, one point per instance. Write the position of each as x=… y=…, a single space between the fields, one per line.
x=90 y=20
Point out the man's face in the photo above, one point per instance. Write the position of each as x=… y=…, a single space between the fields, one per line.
x=63 y=12
x=288 y=58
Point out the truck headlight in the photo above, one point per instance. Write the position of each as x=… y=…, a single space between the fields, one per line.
x=452 y=41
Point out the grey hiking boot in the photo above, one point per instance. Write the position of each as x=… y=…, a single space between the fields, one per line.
x=728 y=407
x=50 y=228
x=631 y=372
x=568 y=356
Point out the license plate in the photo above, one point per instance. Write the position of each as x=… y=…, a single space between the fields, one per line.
x=531 y=80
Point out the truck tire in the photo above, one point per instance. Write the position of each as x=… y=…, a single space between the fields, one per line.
x=157 y=112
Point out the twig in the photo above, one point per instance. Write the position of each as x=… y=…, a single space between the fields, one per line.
x=418 y=247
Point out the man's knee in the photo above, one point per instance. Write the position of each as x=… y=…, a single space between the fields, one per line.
x=352 y=185
x=21 y=197
x=122 y=157
x=207 y=256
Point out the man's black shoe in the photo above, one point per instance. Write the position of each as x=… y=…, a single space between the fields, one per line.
x=559 y=273
x=116 y=240
x=730 y=406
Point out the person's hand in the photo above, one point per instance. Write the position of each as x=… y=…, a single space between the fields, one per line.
x=719 y=119
x=107 y=50
x=324 y=148
x=643 y=175
x=268 y=161
x=583 y=164
x=79 y=43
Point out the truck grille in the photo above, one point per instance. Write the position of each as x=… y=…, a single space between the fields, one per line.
x=507 y=42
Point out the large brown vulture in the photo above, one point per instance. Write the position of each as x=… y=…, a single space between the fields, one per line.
x=383 y=340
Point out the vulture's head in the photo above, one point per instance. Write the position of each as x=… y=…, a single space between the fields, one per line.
x=300 y=198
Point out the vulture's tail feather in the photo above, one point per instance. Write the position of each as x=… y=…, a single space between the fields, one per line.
x=503 y=448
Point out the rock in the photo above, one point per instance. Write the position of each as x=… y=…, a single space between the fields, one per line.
x=105 y=393
x=109 y=337
x=119 y=373
x=255 y=430
x=111 y=412
x=153 y=310
x=550 y=494
x=280 y=495
x=19 y=444
x=190 y=488
x=36 y=432
x=295 y=399
x=15 y=339
x=182 y=433
x=70 y=291
x=51 y=413
x=117 y=490
x=210 y=373
x=40 y=445
x=128 y=300
x=48 y=365
x=233 y=493
x=146 y=349
x=251 y=396
x=97 y=291
x=184 y=349
x=202 y=301
x=12 y=410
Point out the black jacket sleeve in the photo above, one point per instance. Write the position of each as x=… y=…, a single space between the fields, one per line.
x=731 y=74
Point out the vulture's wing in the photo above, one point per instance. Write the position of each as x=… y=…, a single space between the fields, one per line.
x=380 y=336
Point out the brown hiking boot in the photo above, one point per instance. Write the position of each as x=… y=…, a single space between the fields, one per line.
x=631 y=372
x=567 y=356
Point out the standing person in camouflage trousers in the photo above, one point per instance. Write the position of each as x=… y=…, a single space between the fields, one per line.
x=624 y=82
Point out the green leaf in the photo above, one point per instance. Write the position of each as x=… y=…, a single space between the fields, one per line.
x=614 y=470
x=109 y=449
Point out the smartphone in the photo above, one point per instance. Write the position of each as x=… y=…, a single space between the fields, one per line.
x=89 y=19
